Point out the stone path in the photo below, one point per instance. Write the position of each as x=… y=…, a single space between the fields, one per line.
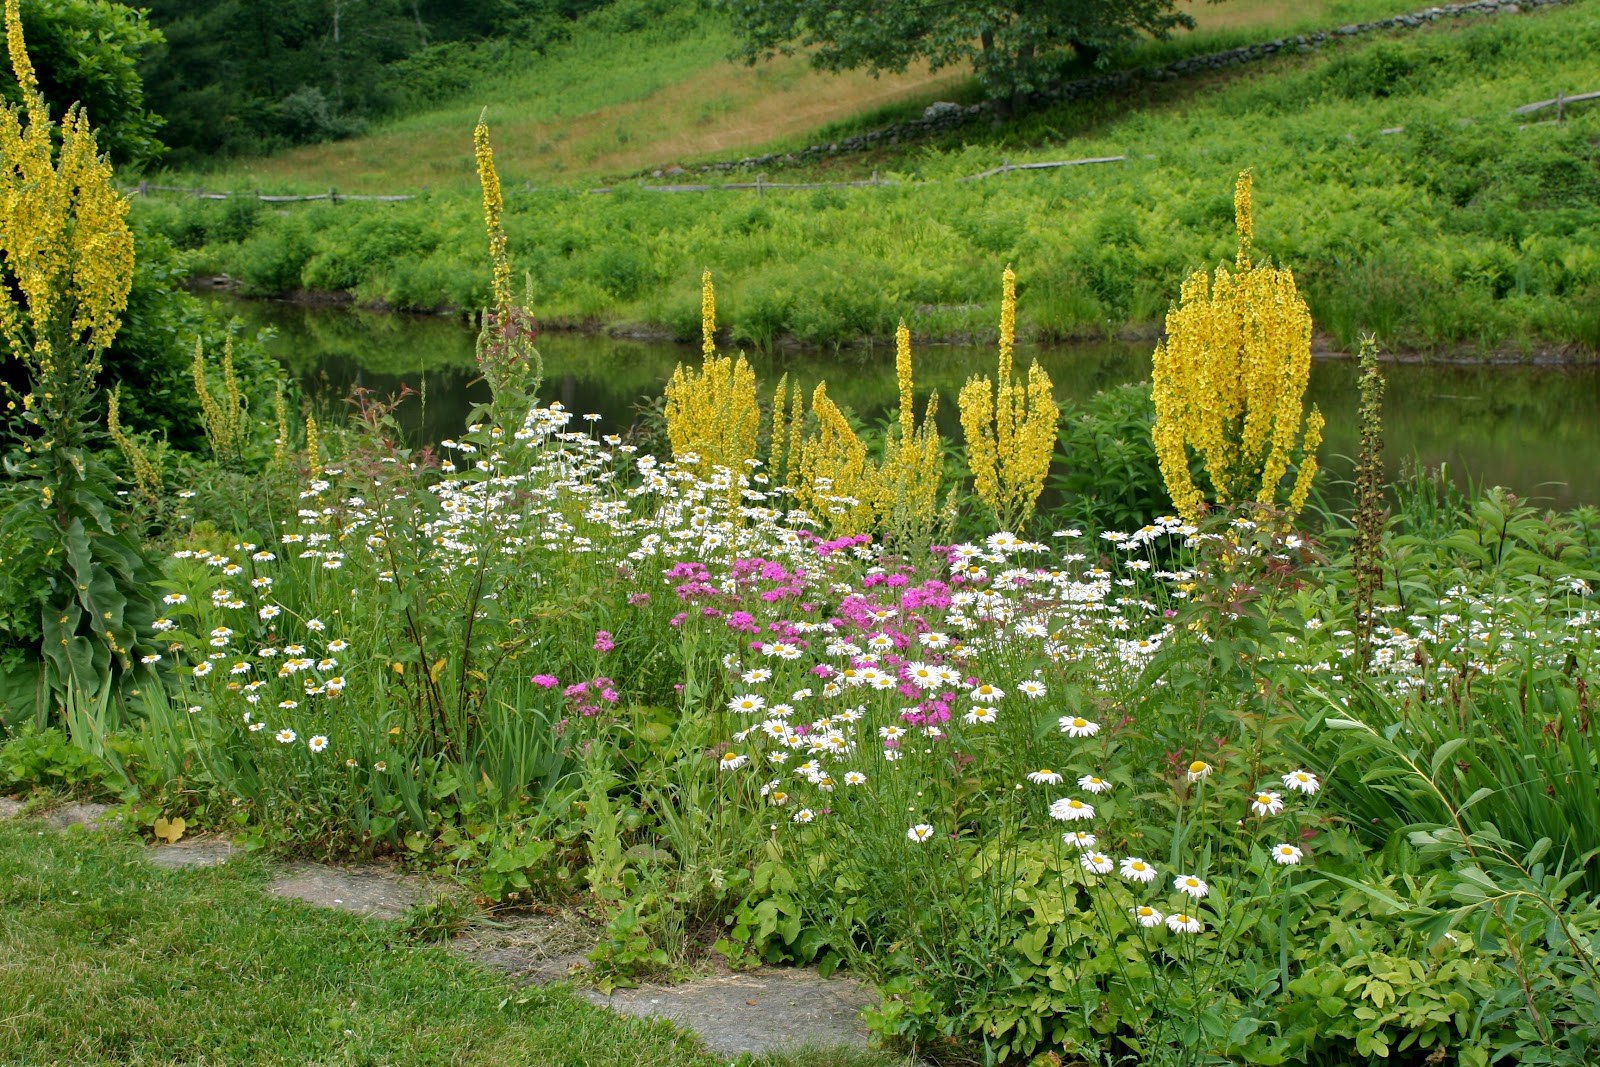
x=375 y=892
x=753 y=1011
x=192 y=852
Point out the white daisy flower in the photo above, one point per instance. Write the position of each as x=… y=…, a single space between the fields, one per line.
x=1302 y=782
x=1135 y=869
x=1096 y=862
x=1286 y=854
x=1268 y=803
x=1045 y=777
x=1077 y=726
x=1188 y=883
x=1071 y=809
x=1146 y=916
x=920 y=833
x=1092 y=784
x=1179 y=923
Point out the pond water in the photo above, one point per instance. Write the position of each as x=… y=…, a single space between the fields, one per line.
x=1535 y=429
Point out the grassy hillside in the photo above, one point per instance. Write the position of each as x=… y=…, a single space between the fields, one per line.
x=644 y=83
x=1471 y=228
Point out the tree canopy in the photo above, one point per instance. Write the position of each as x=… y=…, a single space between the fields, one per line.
x=241 y=77
x=87 y=52
x=1014 y=46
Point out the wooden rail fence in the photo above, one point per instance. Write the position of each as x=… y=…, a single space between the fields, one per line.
x=1560 y=102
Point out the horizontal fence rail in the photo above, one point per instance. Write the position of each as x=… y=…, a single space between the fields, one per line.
x=761 y=185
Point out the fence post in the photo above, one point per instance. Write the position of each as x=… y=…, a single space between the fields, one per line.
x=144 y=188
x=333 y=195
x=760 y=178
x=1561 y=102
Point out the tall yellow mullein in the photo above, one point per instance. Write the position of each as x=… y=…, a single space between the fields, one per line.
x=146 y=469
x=511 y=364
x=838 y=482
x=712 y=413
x=913 y=457
x=227 y=419
x=493 y=207
x=1230 y=381
x=65 y=246
x=1010 y=426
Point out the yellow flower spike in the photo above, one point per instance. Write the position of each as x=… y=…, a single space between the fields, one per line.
x=1010 y=427
x=493 y=206
x=280 y=447
x=712 y=413
x=1229 y=381
x=313 y=455
x=775 y=450
x=902 y=373
x=797 y=422
x=146 y=471
x=66 y=253
x=708 y=316
x=1244 y=220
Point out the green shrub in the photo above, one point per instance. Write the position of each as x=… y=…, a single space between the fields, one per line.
x=48 y=760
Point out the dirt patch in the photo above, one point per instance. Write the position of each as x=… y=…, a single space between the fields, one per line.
x=756 y=1011
x=535 y=949
x=192 y=852
x=10 y=809
x=372 y=891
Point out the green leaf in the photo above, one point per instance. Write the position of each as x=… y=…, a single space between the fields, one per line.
x=1444 y=752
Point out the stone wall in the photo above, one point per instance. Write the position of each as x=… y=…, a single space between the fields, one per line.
x=944 y=116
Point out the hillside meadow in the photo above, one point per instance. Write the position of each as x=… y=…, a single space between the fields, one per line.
x=1474 y=228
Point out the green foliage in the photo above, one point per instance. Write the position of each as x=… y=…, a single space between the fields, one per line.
x=1014 y=48
x=88 y=52
x=1106 y=475
x=237 y=78
x=47 y=759
x=1450 y=235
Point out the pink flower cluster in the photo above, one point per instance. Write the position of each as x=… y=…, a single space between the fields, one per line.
x=586 y=698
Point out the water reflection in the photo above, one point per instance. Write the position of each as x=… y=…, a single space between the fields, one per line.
x=1536 y=429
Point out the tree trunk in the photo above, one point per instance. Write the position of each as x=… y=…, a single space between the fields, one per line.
x=338 y=81
x=422 y=31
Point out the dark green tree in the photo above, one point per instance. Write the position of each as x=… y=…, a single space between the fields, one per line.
x=87 y=52
x=1015 y=47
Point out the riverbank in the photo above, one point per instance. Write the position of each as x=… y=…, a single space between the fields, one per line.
x=1324 y=346
x=1469 y=232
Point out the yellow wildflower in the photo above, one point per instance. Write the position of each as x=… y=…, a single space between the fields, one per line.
x=1230 y=379
x=1010 y=427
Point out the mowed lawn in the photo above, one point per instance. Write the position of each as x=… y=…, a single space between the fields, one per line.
x=107 y=960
